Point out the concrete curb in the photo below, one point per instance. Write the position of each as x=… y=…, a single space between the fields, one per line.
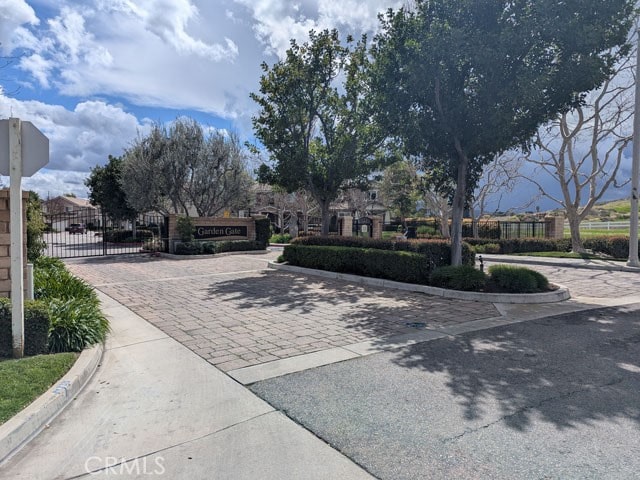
x=559 y=295
x=25 y=425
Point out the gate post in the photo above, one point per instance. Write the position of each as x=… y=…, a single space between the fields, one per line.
x=346 y=228
x=5 y=241
x=104 y=233
x=376 y=227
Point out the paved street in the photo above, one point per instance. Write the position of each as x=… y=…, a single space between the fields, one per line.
x=557 y=398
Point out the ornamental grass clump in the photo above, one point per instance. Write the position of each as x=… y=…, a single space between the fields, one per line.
x=73 y=307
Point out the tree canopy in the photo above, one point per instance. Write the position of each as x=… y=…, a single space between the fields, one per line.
x=104 y=183
x=315 y=120
x=172 y=170
x=461 y=82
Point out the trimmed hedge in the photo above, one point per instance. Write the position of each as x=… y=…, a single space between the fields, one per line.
x=614 y=246
x=524 y=245
x=401 y=266
x=438 y=252
x=126 y=236
x=517 y=279
x=460 y=277
x=200 y=248
x=36 y=328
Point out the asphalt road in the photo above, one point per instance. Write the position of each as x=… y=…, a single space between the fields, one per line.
x=553 y=398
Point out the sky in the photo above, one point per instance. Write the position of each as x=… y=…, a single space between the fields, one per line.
x=93 y=75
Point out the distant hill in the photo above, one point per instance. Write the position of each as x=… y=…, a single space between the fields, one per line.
x=609 y=211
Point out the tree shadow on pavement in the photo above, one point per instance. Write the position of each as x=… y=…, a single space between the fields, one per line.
x=288 y=292
x=362 y=308
x=569 y=370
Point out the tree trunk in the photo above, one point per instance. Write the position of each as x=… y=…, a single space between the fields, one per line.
x=325 y=216
x=444 y=225
x=574 y=228
x=474 y=220
x=458 y=211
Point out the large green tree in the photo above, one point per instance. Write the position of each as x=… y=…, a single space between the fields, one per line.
x=315 y=120
x=400 y=189
x=459 y=82
x=105 y=190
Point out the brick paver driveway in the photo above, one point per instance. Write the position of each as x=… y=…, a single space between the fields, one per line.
x=234 y=313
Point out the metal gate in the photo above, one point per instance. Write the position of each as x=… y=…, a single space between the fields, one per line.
x=363 y=227
x=87 y=233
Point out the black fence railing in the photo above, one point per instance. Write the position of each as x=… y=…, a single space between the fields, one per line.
x=488 y=229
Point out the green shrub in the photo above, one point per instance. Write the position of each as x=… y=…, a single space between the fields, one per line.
x=49 y=263
x=461 y=277
x=615 y=246
x=209 y=248
x=280 y=238
x=186 y=229
x=517 y=279
x=487 y=248
x=425 y=230
x=436 y=251
x=237 y=246
x=75 y=325
x=400 y=266
x=126 y=236
x=35 y=228
x=263 y=232
x=72 y=305
x=36 y=328
x=189 y=248
x=55 y=281
x=523 y=245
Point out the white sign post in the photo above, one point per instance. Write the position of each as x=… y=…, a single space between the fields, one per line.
x=28 y=152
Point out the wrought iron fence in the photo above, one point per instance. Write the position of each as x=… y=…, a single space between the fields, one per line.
x=87 y=233
x=489 y=229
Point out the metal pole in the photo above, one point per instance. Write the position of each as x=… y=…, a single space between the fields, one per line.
x=15 y=224
x=635 y=170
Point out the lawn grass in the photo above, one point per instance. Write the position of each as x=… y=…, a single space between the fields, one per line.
x=598 y=232
x=23 y=380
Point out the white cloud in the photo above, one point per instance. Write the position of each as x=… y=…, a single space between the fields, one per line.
x=14 y=14
x=278 y=21
x=51 y=183
x=80 y=138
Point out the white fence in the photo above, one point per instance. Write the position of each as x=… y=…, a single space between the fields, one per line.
x=613 y=226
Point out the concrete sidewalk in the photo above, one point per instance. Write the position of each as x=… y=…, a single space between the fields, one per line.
x=588 y=263
x=156 y=408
